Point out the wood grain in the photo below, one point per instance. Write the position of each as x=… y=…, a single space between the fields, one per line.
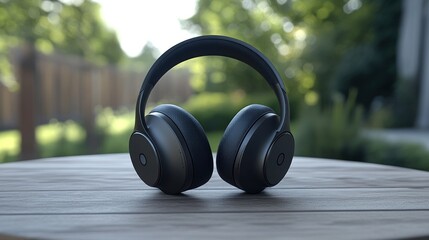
x=101 y=197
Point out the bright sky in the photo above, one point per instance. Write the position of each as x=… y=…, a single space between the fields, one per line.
x=137 y=22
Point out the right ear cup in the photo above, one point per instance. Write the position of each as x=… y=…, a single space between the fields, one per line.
x=233 y=137
x=186 y=159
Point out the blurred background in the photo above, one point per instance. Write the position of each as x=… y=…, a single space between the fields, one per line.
x=356 y=73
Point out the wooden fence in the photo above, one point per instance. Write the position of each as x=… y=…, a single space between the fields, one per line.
x=66 y=87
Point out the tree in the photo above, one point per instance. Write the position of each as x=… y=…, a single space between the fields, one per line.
x=315 y=45
x=254 y=22
x=50 y=25
x=245 y=22
x=144 y=60
x=369 y=64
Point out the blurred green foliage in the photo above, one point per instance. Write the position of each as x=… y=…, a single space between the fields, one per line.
x=142 y=62
x=405 y=103
x=369 y=64
x=329 y=132
x=252 y=22
x=51 y=25
x=114 y=130
x=398 y=112
x=380 y=117
x=215 y=110
x=319 y=47
x=335 y=132
x=68 y=138
x=401 y=154
x=53 y=139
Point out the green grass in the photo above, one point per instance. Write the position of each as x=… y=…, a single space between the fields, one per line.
x=60 y=138
x=53 y=139
x=113 y=130
x=214 y=139
x=68 y=138
x=9 y=145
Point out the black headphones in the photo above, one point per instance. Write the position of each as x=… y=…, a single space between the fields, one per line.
x=169 y=149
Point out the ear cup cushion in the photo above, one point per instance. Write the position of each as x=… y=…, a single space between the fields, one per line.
x=196 y=141
x=233 y=137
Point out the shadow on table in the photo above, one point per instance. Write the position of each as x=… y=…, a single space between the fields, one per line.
x=213 y=201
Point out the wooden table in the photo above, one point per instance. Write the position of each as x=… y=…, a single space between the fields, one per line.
x=101 y=197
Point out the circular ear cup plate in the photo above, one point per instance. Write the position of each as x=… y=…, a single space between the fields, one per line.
x=279 y=158
x=144 y=159
x=233 y=138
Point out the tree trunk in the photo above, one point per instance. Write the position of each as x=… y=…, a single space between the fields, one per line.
x=27 y=74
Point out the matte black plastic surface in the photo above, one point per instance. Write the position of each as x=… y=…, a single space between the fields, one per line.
x=176 y=166
x=249 y=163
x=233 y=137
x=279 y=158
x=213 y=46
x=195 y=141
x=150 y=173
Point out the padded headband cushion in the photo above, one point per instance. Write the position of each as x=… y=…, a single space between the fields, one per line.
x=210 y=45
x=233 y=137
x=196 y=141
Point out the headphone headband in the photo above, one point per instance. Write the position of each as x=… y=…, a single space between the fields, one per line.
x=213 y=46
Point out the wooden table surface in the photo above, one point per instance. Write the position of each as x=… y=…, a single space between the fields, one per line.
x=101 y=197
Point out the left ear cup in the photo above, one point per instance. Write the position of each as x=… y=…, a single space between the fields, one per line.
x=193 y=144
